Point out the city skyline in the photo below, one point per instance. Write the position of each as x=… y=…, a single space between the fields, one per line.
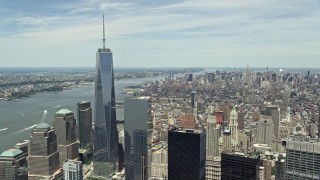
x=167 y=33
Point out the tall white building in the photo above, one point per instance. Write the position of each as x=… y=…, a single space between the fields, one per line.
x=233 y=126
x=275 y=114
x=265 y=130
x=212 y=138
x=72 y=170
x=227 y=144
x=159 y=164
x=213 y=168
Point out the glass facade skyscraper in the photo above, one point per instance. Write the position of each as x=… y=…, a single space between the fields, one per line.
x=105 y=155
x=237 y=165
x=186 y=154
x=136 y=114
x=85 y=125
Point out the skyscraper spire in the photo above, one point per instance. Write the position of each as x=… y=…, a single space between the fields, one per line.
x=104 y=38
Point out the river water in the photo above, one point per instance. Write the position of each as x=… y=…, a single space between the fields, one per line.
x=23 y=114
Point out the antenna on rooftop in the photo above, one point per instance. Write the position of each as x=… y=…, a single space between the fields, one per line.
x=104 y=38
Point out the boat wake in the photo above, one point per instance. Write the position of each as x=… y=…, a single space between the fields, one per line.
x=44 y=116
x=4 y=129
x=17 y=132
x=25 y=129
x=57 y=106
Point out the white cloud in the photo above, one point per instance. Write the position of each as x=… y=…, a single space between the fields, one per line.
x=115 y=5
x=174 y=33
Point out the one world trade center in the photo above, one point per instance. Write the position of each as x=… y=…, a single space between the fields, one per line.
x=105 y=156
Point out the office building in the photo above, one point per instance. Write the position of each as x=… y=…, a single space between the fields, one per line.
x=280 y=167
x=219 y=116
x=233 y=126
x=159 y=163
x=302 y=158
x=23 y=146
x=43 y=153
x=105 y=152
x=241 y=120
x=265 y=130
x=85 y=125
x=136 y=115
x=248 y=78
x=212 y=137
x=186 y=154
x=319 y=123
x=85 y=130
x=13 y=165
x=227 y=143
x=193 y=99
x=236 y=165
x=271 y=108
x=189 y=77
x=275 y=115
x=65 y=127
x=267 y=167
x=187 y=121
x=72 y=170
x=213 y=168
x=211 y=77
x=261 y=173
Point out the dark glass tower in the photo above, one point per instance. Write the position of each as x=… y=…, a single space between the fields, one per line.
x=186 y=154
x=85 y=125
x=105 y=155
x=236 y=165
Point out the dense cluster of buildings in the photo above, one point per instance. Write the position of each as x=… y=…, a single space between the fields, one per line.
x=259 y=125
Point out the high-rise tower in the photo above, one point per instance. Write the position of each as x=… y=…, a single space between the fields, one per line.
x=212 y=138
x=236 y=165
x=265 y=130
x=248 y=74
x=105 y=155
x=43 y=152
x=186 y=154
x=85 y=125
x=136 y=114
x=65 y=127
x=234 y=128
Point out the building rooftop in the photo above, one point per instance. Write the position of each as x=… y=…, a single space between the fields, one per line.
x=11 y=152
x=241 y=154
x=43 y=126
x=72 y=161
x=304 y=139
x=84 y=102
x=186 y=130
x=64 y=112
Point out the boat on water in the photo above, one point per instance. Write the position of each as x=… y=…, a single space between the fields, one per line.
x=4 y=129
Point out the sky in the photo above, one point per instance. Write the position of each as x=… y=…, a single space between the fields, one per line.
x=161 y=33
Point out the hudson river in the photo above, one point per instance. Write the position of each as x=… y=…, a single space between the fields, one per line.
x=21 y=115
